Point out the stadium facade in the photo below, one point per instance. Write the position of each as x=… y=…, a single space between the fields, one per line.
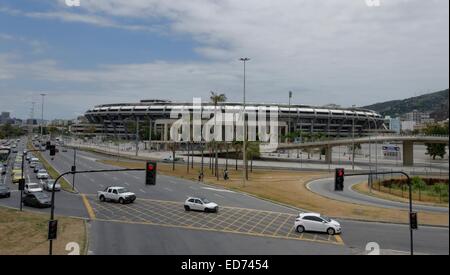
x=154 y=115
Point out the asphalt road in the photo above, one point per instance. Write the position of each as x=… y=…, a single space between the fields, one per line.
x=325 y=187
x=129 y=233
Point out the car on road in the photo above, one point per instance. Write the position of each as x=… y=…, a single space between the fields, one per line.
x=42 y=174
x=37 y=199
x=38 y=167
x=33 y=164
x=316 y=223
x=64 y=149
x=4 y=191
x=33 y=159
x=48 y=185
x=200 y=204
x=170 y=159
x=32 y=188
x=117 y=194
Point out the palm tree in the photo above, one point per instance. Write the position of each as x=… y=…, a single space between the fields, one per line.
x=237 y=145
x=216 y=98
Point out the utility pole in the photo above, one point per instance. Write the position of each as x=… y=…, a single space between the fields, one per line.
x=289 y=126
x=137 y=136
x=42 y=115
x=244 y=143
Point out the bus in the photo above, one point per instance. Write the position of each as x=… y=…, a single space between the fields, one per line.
x=392 y=152
x=4 y=154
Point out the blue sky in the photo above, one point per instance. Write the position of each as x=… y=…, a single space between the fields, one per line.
x=325 y=51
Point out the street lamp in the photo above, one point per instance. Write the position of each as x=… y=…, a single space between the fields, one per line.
x=42 y=114
x=244 y=143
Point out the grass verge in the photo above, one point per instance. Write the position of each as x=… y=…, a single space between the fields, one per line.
x=51 y=171
x=364 y=189
x=289 y=187
x=25 y=233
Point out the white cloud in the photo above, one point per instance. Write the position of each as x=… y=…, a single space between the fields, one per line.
x=326 y=51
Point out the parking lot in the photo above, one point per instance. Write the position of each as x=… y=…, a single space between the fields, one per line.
x=228 y=219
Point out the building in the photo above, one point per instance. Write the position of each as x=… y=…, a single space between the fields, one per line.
x=5 y=117
x=408 y=125
x=114 y=119
x=393 y=124
x=418 y=117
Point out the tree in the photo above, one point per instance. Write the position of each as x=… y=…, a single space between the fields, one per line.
x=253 y=152
x=216 y=98
x=436 y=150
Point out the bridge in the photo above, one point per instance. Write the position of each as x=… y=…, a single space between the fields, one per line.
x=407 y=140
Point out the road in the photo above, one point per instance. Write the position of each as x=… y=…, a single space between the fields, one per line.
x=156 y=223
x=325 y=187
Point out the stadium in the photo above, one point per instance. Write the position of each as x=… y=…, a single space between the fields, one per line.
x=154 y=115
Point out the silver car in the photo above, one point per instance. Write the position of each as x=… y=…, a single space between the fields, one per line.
x=48 y=185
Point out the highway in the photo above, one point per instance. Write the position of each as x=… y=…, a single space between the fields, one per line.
x=157 y=224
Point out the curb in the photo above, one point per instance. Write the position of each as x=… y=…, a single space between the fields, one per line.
x=365 y=220
x=414 y=201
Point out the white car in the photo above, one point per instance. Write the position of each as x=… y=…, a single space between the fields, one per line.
x=48 y=185
x=200 y=204
x=42 y=174
x=316 y=223
x=117 y=194
x=32 y=188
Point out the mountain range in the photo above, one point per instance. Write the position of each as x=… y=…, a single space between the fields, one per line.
x=435 y=103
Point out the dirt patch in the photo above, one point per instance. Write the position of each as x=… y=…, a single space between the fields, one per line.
x=25 y=233
x=288 y=187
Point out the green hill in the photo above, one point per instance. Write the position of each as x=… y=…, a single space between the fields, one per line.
x=435 y=103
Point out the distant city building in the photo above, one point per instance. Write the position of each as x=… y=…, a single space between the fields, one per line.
x=408 y=125
x=5 y=117
x=393 y=124
x=418 y=117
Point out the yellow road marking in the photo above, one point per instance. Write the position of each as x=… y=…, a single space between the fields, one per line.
x=339 y=239
x=88 y=206
x=268 y=225
x=281 y=225
x=215 y=230
x=224 y=217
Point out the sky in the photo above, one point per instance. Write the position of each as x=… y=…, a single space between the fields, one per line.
x=345 y=52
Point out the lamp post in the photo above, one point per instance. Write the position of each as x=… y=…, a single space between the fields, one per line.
x=42 y=114
x=244 y=143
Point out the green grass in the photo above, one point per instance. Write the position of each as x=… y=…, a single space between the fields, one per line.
x=51 y=171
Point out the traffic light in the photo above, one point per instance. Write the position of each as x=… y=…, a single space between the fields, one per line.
x=339 y=179
x=52 y=229
x=413 y=220
x=150 y=173
x=21 y=184
x=52 y=150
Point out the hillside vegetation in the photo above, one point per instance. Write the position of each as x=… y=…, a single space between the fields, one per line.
x=434 y=102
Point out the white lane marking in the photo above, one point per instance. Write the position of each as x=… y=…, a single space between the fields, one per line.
x=28 y=176
x=142 y=191
x=219 y=190
x=101 y=185
x=115 y=178
x=126 y=183
x=88 y=158
x=220 y=196
x=168 y=189
x=91 y=179
x=171 y=181
x=193 y=188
